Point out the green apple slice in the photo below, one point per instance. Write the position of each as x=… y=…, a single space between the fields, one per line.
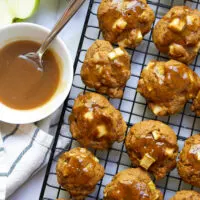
x=6 y=15
x=23 y=9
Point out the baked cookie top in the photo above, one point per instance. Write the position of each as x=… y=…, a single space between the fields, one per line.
x=196 y=104
x=186 y=195
x=167 y=86
x=132 y=184
x=106 y=69
x=152 y=145
x=189 y=161
x=78 y=171
x=178 y=34
x=95 y=123
x=125 y=21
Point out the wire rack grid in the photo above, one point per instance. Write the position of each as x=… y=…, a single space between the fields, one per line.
x=132 y=106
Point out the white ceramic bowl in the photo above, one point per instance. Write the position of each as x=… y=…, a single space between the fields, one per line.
x=33 y=32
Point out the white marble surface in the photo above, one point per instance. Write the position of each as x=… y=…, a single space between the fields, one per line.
x=48 y=13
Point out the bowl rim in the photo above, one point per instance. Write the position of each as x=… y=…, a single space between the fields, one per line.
x=38 y=116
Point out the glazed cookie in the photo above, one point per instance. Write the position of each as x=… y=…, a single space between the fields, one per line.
x=186 y=195
x=196 y=104
x=95 y=123
x=125 y=22
x=63 y=199
x=178 y=34
x=78 y=171
x=152 y=145
x=106 y=69
x=167 y=86
x=132 y=184
x=189 y=161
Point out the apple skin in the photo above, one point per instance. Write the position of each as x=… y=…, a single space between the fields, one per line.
x=21 y=8
x=6 y=15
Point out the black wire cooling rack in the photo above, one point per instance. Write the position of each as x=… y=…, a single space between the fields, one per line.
x=132 y=106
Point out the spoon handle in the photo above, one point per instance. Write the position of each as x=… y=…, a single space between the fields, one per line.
x=71 y=9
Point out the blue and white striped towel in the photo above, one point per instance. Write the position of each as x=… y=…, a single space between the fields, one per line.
x=24 y=149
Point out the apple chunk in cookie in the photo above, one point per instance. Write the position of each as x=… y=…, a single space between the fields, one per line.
x=95 y=123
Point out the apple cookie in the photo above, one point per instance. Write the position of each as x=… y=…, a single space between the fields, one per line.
x=186 y=195
x=152 y=145
x=167 y=86
x=178 y=34
x=95 y=123
x=132 y=184
x=106 y=69
x=78 y=171
x=196 y=104
x=125 y=22
x=189 y=161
